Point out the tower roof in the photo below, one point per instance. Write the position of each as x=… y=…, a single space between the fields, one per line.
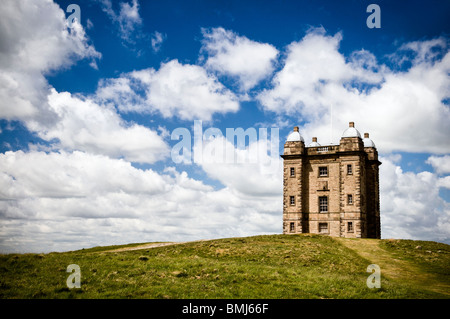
x=314 y=142
x=351 y=131
x=295 y=136
x=367 y=141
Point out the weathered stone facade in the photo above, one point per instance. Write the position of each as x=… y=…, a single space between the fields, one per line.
x=331 y=189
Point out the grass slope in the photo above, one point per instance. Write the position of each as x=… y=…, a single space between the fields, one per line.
x=270 y=266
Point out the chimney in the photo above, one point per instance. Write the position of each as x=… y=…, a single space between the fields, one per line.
x=366 y=135
x=314 y=139
x=296 y=129
x=351 y=124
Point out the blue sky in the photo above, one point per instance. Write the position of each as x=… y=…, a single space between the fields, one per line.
x=87 y=112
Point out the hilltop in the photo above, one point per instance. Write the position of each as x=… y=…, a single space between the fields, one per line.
x=268 y=266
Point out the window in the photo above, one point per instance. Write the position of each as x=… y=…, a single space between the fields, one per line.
x=350 y=199
x=323 y=204
x=323 y=171
x=349 y=169
x=350 y=227
x=292 y=200
x=323 y=228
x=291 y=227
x=292 y=171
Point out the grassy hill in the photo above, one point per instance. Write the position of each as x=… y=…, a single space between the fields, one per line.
x=270 y=266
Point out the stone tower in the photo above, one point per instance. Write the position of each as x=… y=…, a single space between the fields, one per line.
x=331 y=189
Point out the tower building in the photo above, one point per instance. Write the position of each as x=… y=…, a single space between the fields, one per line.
x=331 y=189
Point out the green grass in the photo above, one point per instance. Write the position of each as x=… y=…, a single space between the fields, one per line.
x=272 y=266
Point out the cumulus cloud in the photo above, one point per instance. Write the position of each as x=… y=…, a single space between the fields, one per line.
x=402 y=108
x=411 y=206
x=237 y=56
x=75 y=174
x=61 y=201
x=84 y=125
x=441 y=164
x=311 y=65
x=35 y=40
x=258 y=162
x=121 y=92
x=444 y=182
x=175 y=90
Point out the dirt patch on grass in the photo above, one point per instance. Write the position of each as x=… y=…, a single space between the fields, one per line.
x=143 y=246
x=394 y=268
x=150 y=245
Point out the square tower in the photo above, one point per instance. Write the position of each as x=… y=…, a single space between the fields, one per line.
x=331 y=189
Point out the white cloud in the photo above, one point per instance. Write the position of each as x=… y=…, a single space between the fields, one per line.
x=422 y=51
x=441 y=164
x=61 y=201
x=35 y=40
x=122 y=93
x=444 y=182
x=127 y=20
x=311 y=65
x=411 y=206
x=84 y=125
x=77 y=174
x=403 y=110
x=237 y=56
x=157 y=40
x=175 y=90
x=228 y=163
